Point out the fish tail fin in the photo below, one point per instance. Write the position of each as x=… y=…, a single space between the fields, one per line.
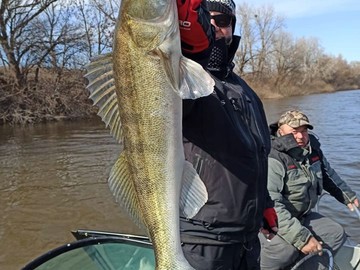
x=122 y=188
x=195 y=82
x=193 y=192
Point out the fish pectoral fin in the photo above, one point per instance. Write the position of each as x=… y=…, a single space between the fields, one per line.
x=102 y=92
x=122 y=187
x=192 y=81
x=193 y=192
x=195 y=82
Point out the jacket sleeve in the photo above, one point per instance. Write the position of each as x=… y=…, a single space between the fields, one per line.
x=333 y=184
x=290 y=228
x=269 y=203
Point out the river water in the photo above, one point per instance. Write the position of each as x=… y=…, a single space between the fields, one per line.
x=53 y=176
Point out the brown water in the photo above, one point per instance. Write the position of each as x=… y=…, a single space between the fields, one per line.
x=53 y=176
x=53 y=180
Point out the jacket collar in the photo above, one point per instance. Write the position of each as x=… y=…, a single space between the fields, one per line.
x=288 y=145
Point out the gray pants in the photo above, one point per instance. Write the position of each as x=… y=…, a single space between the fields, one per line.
x=278 y=254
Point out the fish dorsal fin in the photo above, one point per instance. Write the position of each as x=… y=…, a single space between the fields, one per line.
x=193 y=192
x=102 y=92
x=122 y=187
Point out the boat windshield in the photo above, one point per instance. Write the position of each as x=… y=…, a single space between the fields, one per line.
x=98 y=254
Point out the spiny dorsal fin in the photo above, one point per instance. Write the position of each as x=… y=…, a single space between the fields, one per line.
x=193 y=192
x=121 y=185
x=102 y=92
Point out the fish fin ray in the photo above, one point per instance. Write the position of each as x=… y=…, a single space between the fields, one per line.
x=123 y=190
x=193 y=194
x=195 y=81
x=102 y=92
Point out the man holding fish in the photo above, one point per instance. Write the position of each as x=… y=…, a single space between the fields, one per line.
x=152 y=97
x=226 y=138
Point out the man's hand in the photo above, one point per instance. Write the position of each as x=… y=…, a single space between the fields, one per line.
x=354 y=206
x=270 y=226
x=312 y=246
x=354 y=203
x=196 y=32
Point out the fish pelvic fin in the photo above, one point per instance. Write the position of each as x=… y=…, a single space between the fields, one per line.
x=122 y=187
x=102 y=92
x=193 y=194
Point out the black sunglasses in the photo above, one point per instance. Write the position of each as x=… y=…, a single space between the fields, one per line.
x=222 y=20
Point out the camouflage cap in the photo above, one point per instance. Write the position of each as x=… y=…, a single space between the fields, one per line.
x=294 y=119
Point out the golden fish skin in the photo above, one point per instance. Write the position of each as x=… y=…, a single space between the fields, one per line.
x=139 y=90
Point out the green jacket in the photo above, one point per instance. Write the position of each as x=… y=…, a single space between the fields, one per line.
x=295 y=180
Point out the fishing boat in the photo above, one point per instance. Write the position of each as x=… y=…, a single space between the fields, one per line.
x=100 y=250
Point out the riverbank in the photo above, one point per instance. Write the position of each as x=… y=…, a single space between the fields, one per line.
x=51 y=96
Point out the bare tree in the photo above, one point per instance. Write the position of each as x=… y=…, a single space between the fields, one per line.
x=284 y=60
x=248 y=37
x=268 y=24
x=310 y=51
x=98 y=20
x=16 y=33
x=339 y=73
x=58 y=40
x=257 y=27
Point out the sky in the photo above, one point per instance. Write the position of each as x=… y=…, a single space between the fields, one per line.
x=335 y=23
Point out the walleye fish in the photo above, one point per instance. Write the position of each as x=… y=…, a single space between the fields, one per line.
x=139 y=89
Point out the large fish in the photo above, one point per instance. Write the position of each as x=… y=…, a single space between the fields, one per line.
x=139 y=90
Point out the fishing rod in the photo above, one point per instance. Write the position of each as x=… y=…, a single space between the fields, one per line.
x=356 y=210
x=307 y=257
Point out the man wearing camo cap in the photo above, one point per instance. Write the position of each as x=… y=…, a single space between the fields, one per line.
x=298 y=173
x=294 y=119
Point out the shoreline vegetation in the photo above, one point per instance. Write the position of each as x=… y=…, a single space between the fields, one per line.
x=45 y=46
x=55 y=98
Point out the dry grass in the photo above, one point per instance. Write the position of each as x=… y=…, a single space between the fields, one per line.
x=51 y=98
x=267 y=89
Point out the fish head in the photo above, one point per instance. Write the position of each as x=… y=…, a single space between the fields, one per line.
x=148 y=23
x=145 y=9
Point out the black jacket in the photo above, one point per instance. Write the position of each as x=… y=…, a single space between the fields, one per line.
x=227 y=140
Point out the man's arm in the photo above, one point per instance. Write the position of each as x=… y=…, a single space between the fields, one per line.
x=290 y=228
x=338 y=188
